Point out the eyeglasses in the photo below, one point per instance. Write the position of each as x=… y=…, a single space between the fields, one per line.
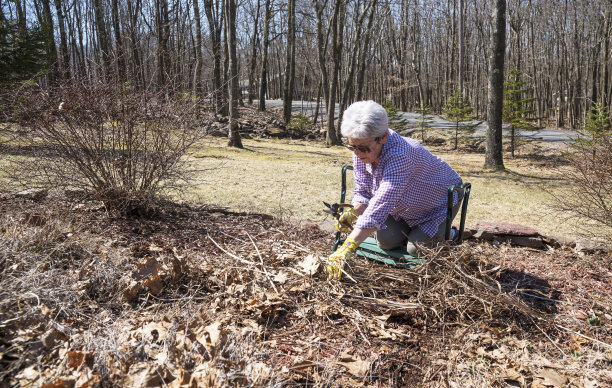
x=361 y=148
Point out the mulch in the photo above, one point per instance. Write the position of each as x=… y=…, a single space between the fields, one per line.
x=198 y=296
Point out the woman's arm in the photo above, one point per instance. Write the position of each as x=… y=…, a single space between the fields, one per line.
x=359 y=235
x=360 y=208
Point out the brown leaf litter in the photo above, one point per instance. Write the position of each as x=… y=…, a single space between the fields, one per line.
x=203 y=297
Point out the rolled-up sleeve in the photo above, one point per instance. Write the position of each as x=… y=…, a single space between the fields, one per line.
x=363 y=183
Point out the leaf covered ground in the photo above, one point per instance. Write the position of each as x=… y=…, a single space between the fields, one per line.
x=203 y=297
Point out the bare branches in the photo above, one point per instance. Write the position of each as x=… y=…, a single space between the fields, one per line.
x=124 y=147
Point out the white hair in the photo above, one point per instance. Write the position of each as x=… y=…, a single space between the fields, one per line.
x=364 y=119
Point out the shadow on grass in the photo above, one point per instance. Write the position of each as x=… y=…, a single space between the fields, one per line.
x=27 y=150
x=511 y=176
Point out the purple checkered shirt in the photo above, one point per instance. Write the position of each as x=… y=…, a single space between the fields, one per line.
x=410 y=183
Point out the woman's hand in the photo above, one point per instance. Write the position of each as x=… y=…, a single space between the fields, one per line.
x=336 y=261
x=344 y=224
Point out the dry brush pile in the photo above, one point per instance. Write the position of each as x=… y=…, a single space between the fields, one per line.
x=202 y=297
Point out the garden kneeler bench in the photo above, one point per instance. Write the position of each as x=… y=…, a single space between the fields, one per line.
x=399 y=257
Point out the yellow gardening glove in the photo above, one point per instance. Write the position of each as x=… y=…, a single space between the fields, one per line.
x=336 y=261
x=344 y=223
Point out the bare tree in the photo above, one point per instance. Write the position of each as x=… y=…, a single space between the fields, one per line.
x=348 y=84
x=120 y=59
x=289 y=78
x=494 y=153
x=102 y=36
x=461 y=45
x=65 y=55
x=253 y=59
x=337 y=32
x=47 y=27
x=263 y=79
x=363 y=50
x=215 y=23
x=197 y=69
x=321 y=48
x=136 y=64
x=230 y=27
x=416 y=53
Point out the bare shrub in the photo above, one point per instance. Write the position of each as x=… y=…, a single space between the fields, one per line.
x=124 y=146
x=590 y=171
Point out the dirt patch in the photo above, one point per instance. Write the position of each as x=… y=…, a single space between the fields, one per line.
x=202 y=296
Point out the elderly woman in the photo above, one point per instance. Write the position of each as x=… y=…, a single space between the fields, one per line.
x=400 y=187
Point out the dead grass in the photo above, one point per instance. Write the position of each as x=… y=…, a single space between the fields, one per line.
x=292 y=178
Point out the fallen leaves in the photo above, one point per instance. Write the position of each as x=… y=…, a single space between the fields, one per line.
x=310 y=265
x=159 y=303
x=354 y=365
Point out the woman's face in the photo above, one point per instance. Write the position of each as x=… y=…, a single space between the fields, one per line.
x=368 y=150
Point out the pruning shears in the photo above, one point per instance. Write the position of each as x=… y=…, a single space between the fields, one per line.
x=334 y=209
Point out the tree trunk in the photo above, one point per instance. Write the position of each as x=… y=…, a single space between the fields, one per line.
x=136 y=65
x=47 y=27
x=78 y=47
x=162 y=24
x=322 y=46
x=230 y=28
x=215 y=27
x=50 y=41
x=605 y=96
x=348 y=85
x=197 y=68
x=364 y=49
x=102 y=36
x=253 y=60
x=21 y=18
x=65 y=54
x=494 y=152
x=337 y=28
x=289 y=77
x=461 y=46
x=118 y=42
x=263 y=79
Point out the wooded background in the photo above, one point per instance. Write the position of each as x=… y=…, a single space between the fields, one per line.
x=408 y=52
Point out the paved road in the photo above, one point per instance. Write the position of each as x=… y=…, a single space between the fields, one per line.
x=545 y=134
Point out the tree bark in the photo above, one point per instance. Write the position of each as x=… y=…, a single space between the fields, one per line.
x=364 y=49
x=605 y=91
x=162 y=30
x=64 y=66
x=49 y=35
x=348 y=85
x=21 y=18
x=197 y=68
x=253 y=59
x=263 y=79
x=230 y=27
x=322 y=46
x=461 y=46
x=289 y=77
x=494 y=152
x=137 y=72
x=118 y=41
x=102 y=36
x=215 y=27
x=337 y=29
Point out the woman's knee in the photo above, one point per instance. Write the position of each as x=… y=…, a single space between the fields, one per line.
x=389 y=239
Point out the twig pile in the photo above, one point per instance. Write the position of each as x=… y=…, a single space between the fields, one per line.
x=202 y=297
